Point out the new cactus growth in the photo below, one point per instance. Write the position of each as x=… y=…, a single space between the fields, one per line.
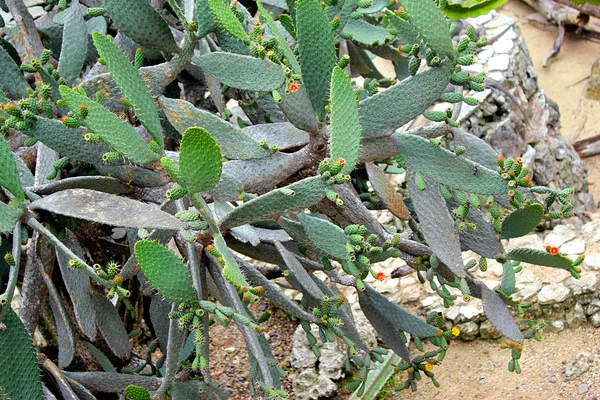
x=286 y=178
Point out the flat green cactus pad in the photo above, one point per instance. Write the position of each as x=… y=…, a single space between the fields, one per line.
x=384 y=112
x=9 y=215
x=432 y=25
x=540 y=257
x=328 y=237
x=69 y=142
x=242 y=72
x=345 y=133
x=436 y=222
x=228 y=21
x=294 y=197
x=131 y=83
x=9 y=176
x=405 y=28
x=165 y=271
x=111 y=326
x=74 y=43
x=317 y=52
x=522 y=221
x=233 y=143
x=138 y=20
x=12 y=82
x=107 y=209
x=365 y=33
x=496 y=312
x=199 y=160
x=19 y=372
x=448 y=168
x=115 y=132
x=387 y=192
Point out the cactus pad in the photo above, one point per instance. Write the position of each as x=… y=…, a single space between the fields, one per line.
x=199 y=160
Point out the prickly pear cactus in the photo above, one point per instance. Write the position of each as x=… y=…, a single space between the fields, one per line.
x=199 y=131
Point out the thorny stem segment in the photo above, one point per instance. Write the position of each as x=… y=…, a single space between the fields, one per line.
x=14 y=273
x=174 y=346
x=35 y=224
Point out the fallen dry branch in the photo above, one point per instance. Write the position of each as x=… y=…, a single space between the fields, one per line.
x=588 y=147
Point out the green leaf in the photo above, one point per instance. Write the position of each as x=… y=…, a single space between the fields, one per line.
x=433 y=27
x=540 y=257
x=282 y=44
x=295 y=197
x=139 y=21
x=473 y=8
x=328 y=237
x=233 y=143
x=317 y=52
x=242 y=72
x=522 y=221
x=74 y=43
x=12 y=82
x=447 y=168
x=69 y=142
x=165 y=271
x=345 y=133
x=228 y=21
x=199 y=160
x=392 y=200
x=107 y=209
x=365 y=33
x=386 y=111
x=9 y=176
x=131 y=84
x=9 y=215
x=436 y=222
x=115 y=132
x=19 y=371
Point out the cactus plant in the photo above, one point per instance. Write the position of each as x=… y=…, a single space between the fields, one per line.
x=286 y=176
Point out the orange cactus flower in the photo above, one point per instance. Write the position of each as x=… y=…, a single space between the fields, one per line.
x=380 y=276
x=428 y=367
x=294 y=87
x=554 y=250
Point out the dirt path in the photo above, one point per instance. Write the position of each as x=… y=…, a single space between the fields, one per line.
x=579 y=118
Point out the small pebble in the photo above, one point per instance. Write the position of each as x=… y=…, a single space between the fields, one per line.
x=583 y=389
x=552 y=380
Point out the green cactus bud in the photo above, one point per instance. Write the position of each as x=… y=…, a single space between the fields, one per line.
x=478 y=87
x=24 y=125
x=364 y=3
x=52 y=175
x=356 y=15
x=30 y=141
x=14 y=111
x=187 y=215
x=459 y=78
x=110 y=157
x=136 y=393
x=452 y=123
x=47 y=108
x=346 y=35
x=479 y=78
x=435 y=116
x=91 y=138
x=419 y=181
x=471 y=101
x=414 y=63
x=257 y=50
x=71 y=122
x=452 y=97
x=462 y=45
x=483 y=41
x=198 y=225
x=466 y=60
x=45 y=57
x=460 y=150
x=28 y=115
x=62 y=163
x=344 y=61
x=28 y=68
x=471 y=33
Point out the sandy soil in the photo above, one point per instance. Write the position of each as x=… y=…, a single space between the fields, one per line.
x=579 y=117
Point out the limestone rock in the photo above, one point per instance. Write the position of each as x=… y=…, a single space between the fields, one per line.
x=556 y=293
x=575 y=246
x=488 y=331
x=578 y=366
x=468 y=330
x=588 y=283
x=560 y=235
x=558 y=325
x=575 y=316
x=595 y=320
